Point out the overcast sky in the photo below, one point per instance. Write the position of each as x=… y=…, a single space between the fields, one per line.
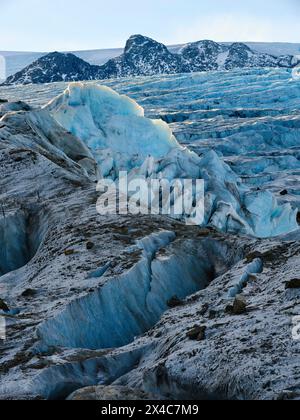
x=48 y=25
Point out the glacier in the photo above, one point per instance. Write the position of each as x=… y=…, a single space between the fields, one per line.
x=121 y=138
x=103 y=119
x=116 y=301
x=140 y=296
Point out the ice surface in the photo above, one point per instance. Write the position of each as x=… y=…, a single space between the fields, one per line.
x=134 y=301
x=256 y=113
x=105 y=120
x=121 y=138
x=21 y=234
x=249 y=118
x=255 y=267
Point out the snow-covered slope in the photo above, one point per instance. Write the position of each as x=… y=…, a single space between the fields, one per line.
x=13 y=62
x=275 y=48
x=208 y=55
x=145 y=57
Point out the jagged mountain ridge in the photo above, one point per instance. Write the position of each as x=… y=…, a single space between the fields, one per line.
x=144 y=56
x=54 y=67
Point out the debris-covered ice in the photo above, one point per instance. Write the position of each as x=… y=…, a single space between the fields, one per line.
x=140 y=304
x=122 y=139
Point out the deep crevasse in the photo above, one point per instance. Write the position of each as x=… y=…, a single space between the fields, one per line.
x=128 y=305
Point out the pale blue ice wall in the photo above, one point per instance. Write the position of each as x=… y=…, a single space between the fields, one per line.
x=128 y=305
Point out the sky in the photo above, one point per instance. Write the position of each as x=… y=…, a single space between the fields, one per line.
x=67 y=25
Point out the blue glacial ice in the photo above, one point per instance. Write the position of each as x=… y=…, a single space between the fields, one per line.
x=21 y=234
x=120 y=137
x=132 y=302
x=105 y=120
x=255 y=267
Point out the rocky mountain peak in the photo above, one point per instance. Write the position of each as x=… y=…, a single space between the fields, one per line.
x=138 y=43
x=144 y=56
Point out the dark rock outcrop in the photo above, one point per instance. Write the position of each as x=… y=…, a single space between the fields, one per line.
x=145 y=57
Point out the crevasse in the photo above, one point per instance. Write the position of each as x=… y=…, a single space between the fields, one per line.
x=128 y=305
x=121 y=138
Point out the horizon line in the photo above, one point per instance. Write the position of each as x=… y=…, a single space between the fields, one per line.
x=122 y=48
